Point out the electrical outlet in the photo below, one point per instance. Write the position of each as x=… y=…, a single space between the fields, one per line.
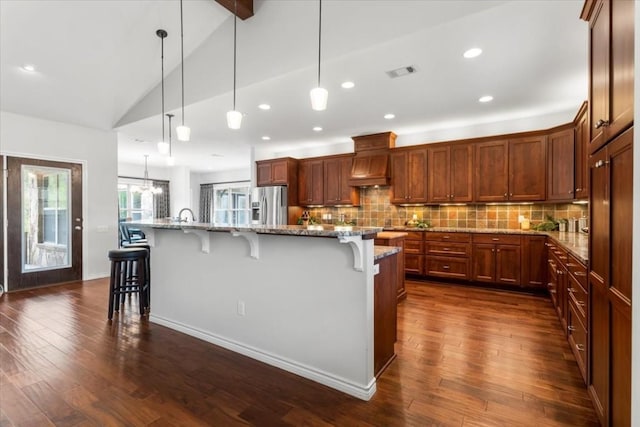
x=241 y=308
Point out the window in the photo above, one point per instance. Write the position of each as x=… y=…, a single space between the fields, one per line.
x=132 y=204
x=231 y=204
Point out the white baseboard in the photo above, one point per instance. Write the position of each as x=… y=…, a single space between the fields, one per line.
x=364 y=392
x=94 y=276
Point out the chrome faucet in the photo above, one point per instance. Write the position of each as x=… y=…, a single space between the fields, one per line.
x=193 y=217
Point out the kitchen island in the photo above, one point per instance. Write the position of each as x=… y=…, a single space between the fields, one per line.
x=298 y=298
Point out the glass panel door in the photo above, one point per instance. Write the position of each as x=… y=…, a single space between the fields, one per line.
x=46 y=223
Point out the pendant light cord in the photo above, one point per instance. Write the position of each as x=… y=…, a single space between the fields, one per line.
x=182 y=58
x=162 y=80
x=235 y=19
x=319 y=38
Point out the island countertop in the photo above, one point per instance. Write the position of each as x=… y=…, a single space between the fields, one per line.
x=289 y=230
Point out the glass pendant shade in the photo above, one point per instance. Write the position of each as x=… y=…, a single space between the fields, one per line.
x=319 y=98
x=234 y=119
x=183 y=133
x=163 y=147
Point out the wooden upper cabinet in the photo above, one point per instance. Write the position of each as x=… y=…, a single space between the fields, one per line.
x=311 y=182
x=450 y=169
x=581 y=157
x=409 y=176
x=491 y=172
x=560 y=165
x=527 y=169
x=611 y=69
x=337 y=191
x=282 y=171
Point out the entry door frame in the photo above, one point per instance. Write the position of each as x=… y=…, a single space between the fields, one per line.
x=78 y=210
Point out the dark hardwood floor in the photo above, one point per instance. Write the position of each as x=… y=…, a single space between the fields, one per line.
x=466 y=357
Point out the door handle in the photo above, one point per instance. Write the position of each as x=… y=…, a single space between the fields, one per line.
x=77 y=227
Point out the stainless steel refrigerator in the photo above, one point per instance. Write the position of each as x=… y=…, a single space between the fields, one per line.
x=269 y=205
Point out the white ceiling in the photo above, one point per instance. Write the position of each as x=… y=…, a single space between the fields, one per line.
x=99 y=65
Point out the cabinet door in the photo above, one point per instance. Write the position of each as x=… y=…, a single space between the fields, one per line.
x=582 y=156
x=599 y=74
x=413 y=264
x=439 y=175
x=399 y=162
x=491 y=172
x=560 y=165
x=461 y=172
x=417 y=176
x=311 y=182
x=621 y=73
x=346 y=195
x=534 y=261
x=263 y=173
x=484 y=262
x=279 y=172
x=332 y=174
x=508 y=264
x=527 y=169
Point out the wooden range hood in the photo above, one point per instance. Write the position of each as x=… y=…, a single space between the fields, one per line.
x=370 y=164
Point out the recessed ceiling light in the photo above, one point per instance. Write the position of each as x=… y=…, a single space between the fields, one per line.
x=486 y=98
x=317 y=129
x=389 y=116
x=266 y=138
x=264 y=106
x=347 y=85
x=472 y=53
x=29 y=67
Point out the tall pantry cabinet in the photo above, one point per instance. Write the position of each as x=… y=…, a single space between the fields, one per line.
x=611 y=71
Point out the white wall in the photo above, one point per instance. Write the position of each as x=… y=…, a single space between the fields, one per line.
x=96 y=150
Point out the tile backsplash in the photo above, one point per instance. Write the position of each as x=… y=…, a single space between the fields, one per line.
x=377 y=211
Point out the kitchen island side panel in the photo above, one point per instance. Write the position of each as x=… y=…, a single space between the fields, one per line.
x=307 y=310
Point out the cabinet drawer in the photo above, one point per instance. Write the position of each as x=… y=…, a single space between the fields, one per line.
x=455 y=268
x=448 y=249
x=577 y=335
x=504 y=239
x=577 y=270
x=415 y=235
x=578 y=296
x=413 y=264
x=413 y=247
x=448 y=237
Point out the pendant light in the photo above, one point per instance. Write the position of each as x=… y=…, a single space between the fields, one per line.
x=319 y=94
x=163 y=147
x=182 y=132
x=234 y=117
x=146 y=185
x=170 y=160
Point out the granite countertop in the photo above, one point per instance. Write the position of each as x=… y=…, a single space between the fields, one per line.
x=380 y=252
x=289 y=230
x=576 y=244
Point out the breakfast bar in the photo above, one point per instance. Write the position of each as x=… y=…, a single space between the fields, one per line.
x=298 y=298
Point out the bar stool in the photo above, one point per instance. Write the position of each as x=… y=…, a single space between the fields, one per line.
x=128 y=276
x=147 y=267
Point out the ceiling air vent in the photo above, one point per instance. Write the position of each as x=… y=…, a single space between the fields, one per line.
x=400 y=72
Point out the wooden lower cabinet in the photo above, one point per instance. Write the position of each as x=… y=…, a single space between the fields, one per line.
x=447 y=255
x=496 y=259
x=389 y=239
x=577 y=336
x=609 y=280
x=384 y=313
x=533 y=265
x=414 y=253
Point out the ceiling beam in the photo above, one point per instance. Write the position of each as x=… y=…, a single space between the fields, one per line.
x=245 y=7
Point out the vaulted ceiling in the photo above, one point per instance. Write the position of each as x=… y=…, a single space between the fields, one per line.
x=98 y=65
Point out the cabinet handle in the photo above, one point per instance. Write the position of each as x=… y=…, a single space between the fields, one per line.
x=446 y=237
x=601 y=123
x=553 y=291
x=445 y=267
x=578 y=189
x=571 y=290
x=505 y=194
x=571 y=191
x=510 y=194
x=601 y=163
x=498 y=250
x=580 y=347
x=571 y=328
x=549 y=285
x=580 y=273
x=581 y=303
x=495 y=239
x=493 y=250
x=570 y=264
x=446 y=249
